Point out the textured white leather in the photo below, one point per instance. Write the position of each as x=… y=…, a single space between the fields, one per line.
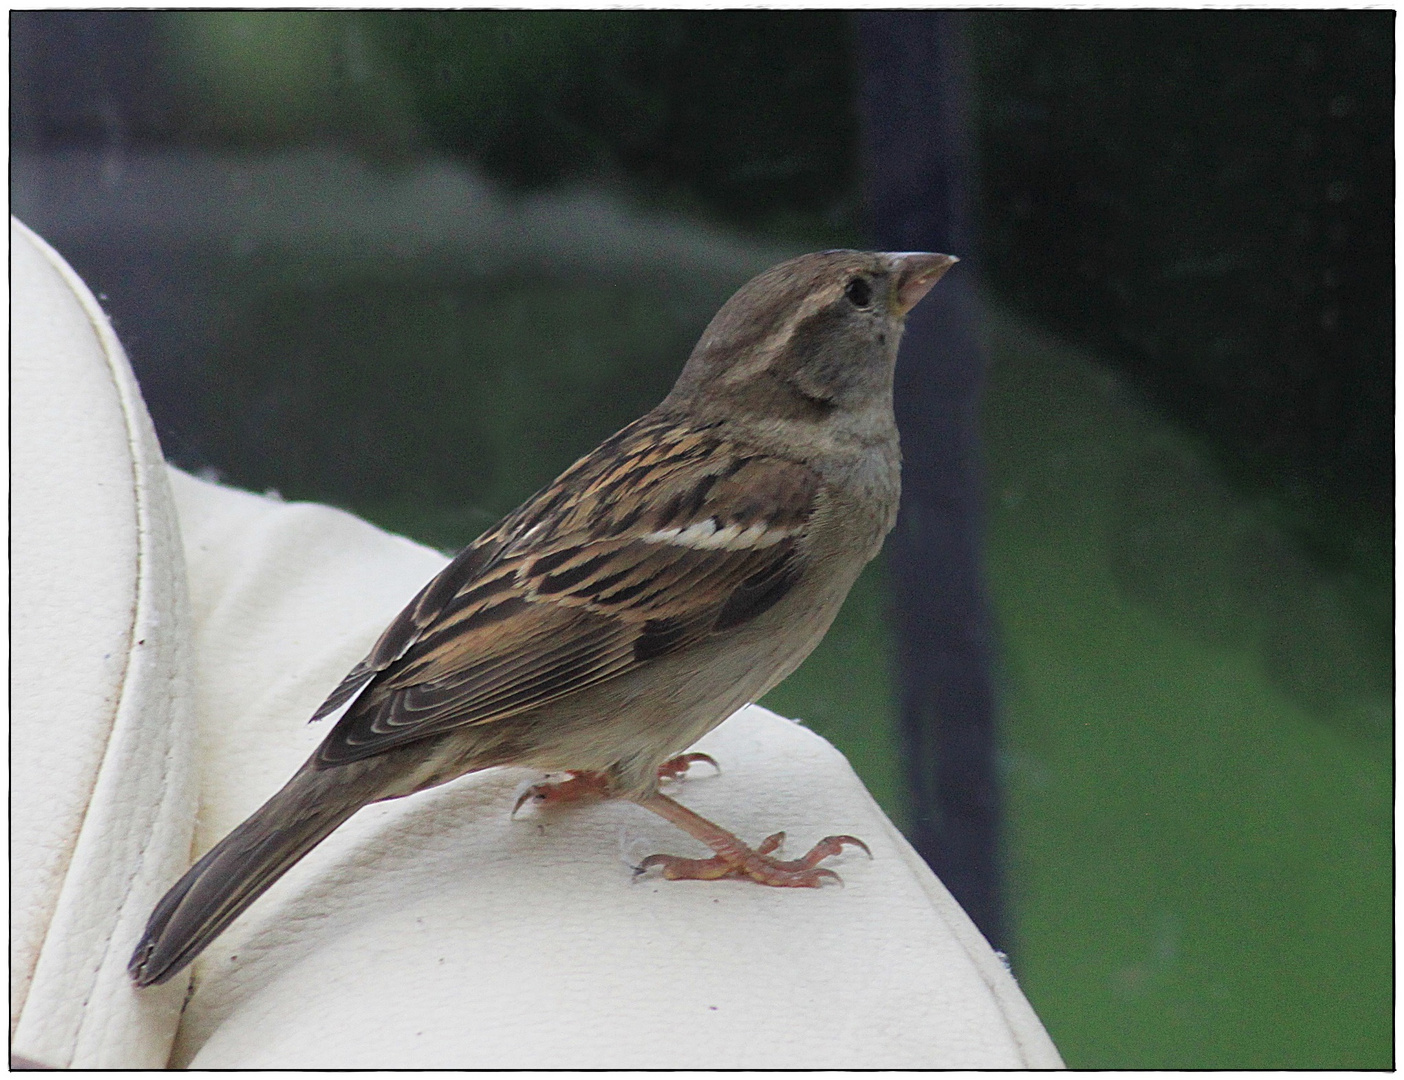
x=437 y=932
x=101 y=768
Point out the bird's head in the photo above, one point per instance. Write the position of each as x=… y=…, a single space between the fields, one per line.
x=814 y=336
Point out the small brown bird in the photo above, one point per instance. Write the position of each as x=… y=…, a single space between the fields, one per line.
x=667 y=578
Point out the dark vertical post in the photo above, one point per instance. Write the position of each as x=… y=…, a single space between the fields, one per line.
x=918 y=159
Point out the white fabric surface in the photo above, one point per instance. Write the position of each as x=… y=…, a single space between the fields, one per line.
x=437 y=932
x=101 y=768
x=432 y=931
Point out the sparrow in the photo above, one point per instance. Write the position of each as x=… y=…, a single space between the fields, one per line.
x=666 y=579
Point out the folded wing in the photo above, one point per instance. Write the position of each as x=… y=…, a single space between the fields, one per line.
x=662 y=536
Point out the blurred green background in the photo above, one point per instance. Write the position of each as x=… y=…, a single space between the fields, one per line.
x=1187 y=281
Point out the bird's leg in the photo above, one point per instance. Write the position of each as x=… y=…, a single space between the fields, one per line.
x=584 y=785
x=735 y=859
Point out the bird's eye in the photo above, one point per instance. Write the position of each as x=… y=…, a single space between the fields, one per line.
x=859 y=292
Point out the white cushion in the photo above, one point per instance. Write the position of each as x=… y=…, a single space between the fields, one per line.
x=101 y=770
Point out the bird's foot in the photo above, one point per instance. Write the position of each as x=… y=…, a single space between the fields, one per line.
x=587 y=785
x=575 y=787
x=739 y=861
x=677 y=768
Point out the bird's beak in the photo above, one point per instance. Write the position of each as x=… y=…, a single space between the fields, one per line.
x=916 y=272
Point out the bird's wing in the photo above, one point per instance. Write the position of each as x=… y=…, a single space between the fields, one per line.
x=662 y=536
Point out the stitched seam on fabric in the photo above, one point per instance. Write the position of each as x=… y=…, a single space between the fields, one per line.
x=106 y=339
x=143 y=601
x=134 y=412
x=110 y=346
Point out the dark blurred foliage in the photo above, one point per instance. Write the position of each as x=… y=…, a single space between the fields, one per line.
x=1207 y=199
x=125 y=79
x=748 y=116
x=492 y=387
x=749 y=112
x=61 y=94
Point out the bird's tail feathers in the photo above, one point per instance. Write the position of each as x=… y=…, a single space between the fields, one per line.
x=237 y=871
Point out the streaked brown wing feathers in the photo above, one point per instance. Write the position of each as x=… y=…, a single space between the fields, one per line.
x=404 y=630
x=586 y=581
